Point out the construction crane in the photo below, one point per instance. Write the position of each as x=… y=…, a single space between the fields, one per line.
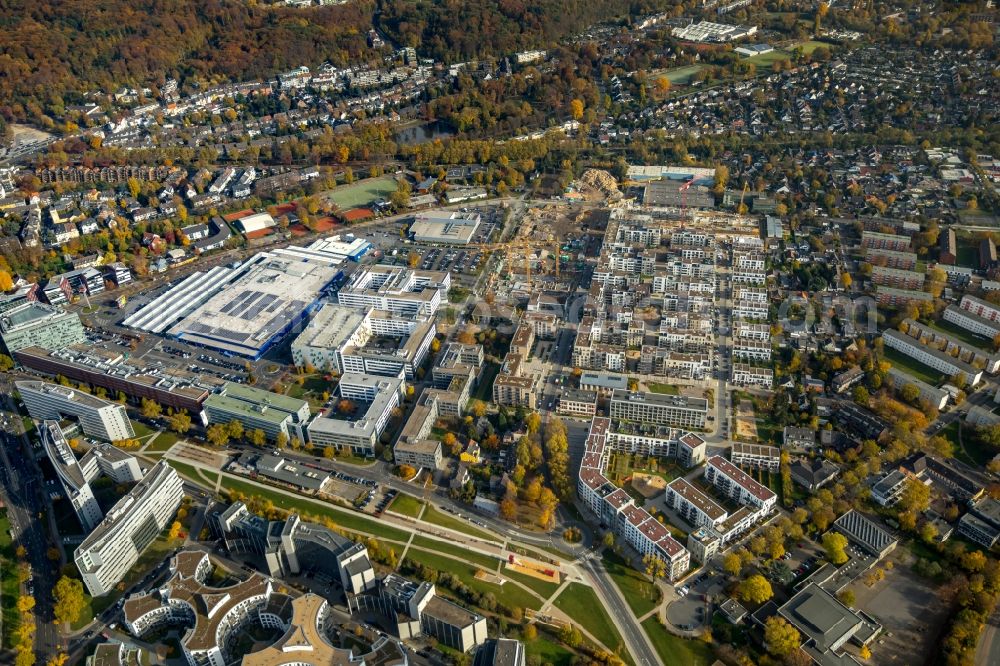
x=746 y=188
x=683 y=190
x=525 y=245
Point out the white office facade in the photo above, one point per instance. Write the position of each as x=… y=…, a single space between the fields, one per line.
x=98 y=418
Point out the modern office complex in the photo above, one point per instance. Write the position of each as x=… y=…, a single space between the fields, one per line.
x=401 y=291
x=273 y=413
x=662 y=409
x=97 y=418
x=292 y=547
x=982 y=522
x=414 y=609
x=34 y=324
x=377 y=342
x=421 y=453
x=134 y=522
x=375 y=397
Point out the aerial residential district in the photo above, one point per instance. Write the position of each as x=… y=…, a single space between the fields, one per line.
x=390 y=334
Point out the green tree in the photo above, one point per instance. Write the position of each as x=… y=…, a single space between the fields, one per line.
x=217 y=434
x=258 y=437
x=235 y=429
x=180 y=422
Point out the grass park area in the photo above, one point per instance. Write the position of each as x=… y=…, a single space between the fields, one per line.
x=163 y=441
x=540 y=586
x=510 y=596
x=674 y=649
x=913 y=366
x=576 y=597
x=435 y=517
x=407 y=505
x=304 y=505
x=141 y=430
x=548 y=651
x=483 y=560
x=641 y=594
x=363 y=192
x=765 y=60
x=666 y=389
x=680 y=75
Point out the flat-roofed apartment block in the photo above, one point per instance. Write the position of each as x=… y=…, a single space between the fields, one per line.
x=577 y=402
x=97 y=418
x=445 y=226
x=751 y=310
x=686 y=447
x=616 y=509
x=931 y=357
x=604 y=383
x=703 y=544
x=738 y=485
x=752 y=350
x=755 y=456
x=749 y=268
x=255 y=408
x=456 y=370
x=971 y=322
x=666 y=363
x=115 y=545
x=947 y=342
x=890 y=488
x=34 y=324
x=422 y=453
x=376 y=342
x=415 y=609
x=938 y=398
x=879 y=241
x=399 y=290
x=174 y=387
x=980 y=308
x=892 y=296
x=544 y=324
x=896 y=277
x=744 y=374
x=292 y=547
x=744 y=330
x=662 y=409
x=981 y=523
x=512 y=389
x=378 y=397
x=905 y=261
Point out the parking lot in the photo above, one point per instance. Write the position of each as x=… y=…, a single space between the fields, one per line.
x=693 y=608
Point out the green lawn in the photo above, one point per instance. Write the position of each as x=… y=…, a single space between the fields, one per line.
x=211 y=476
x=580 y=602
x=484 y=390
x=914 y=367
x=164 y=441
x=304 y=505
x=548 y=651
x=768 y=59
x=435 y=517
x=968 y=254
x=965 y=336
x=184 y=469
x=680 y=75
x=810 y=46
x=407 y=505
x=510 y=596
x=674 y=649
x=668 y=389
x=640 y=593
x=363 y=192
x=485 y=561
x=141 y=429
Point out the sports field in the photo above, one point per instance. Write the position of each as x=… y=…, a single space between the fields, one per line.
x=363 y=192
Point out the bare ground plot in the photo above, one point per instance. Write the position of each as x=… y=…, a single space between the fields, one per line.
x=214 y=459
x=746 y=424
x=908 y=608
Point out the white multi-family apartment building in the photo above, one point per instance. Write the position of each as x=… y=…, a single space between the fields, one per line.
x=752 y=350
x=744 y=374
x=738 y=485
x=940 y=361
x=399 y=290
x=971 y=322
x=693 y=505
x=756 y=456
x=753 y=310
x=750 y=331
x=675 y=410
x=98 y=418
x=116 y=544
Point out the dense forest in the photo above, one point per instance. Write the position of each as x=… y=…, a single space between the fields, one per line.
x=50 y=50
x=456 y=30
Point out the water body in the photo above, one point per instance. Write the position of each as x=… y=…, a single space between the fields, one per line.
x=424 y=132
